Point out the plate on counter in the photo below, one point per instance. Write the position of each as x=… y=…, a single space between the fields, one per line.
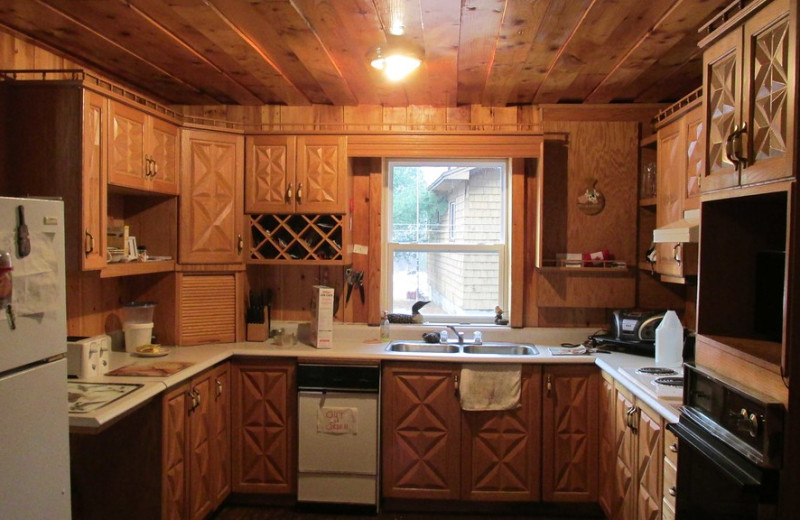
x=151 y=351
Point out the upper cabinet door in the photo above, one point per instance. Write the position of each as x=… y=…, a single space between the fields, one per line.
x=126 y=147
x=722 y=66
x=143 y=151
x=270 y=168
x=768 y=84
x=321 y=174
x=95 y=164
x=161 y=151
x=211 y=198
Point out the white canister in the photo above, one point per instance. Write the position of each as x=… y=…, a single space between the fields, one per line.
x=136 y=335
x=669 y=340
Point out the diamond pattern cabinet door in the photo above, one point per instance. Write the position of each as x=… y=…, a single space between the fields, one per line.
x=200 y=447
x=502 y=448
x=695 y=156
x=570 y=433
x=126 y=147
x=211 y=213
x=93 y=207
x=174 y=461
x=624 y=505
x=649 y=463
x=420 y=431
x=768 y=83
x=722 y=66
x=263 y=418
x=321 y=174
x=607 y=455
x=162 y=145
x=220 y=477
x=672 y=165
x=270 y=169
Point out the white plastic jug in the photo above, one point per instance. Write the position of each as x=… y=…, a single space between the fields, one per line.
x=669 y=340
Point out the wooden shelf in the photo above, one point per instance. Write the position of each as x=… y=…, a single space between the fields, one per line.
x=647 y=202
x=608 y=266
x=296 y=239
x=133 y=268
x=649 y=141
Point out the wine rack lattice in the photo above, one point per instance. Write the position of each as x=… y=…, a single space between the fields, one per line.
x=296 y=238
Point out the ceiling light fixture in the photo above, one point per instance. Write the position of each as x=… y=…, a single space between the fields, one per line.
x=397 y=59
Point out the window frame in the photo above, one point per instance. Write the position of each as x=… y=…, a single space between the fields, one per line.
x=502 y=249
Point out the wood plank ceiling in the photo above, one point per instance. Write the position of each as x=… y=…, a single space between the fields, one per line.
x=300 y=52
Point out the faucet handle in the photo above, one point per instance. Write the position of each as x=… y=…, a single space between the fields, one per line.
x=477 y=337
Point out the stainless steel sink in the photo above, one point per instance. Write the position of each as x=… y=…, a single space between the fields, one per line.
x=494 y=348
x=421 y=347
x=501 y=349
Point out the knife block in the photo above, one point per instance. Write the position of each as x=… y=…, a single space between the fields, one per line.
x=258 y=331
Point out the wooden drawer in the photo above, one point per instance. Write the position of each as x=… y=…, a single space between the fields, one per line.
x=670 y=482
x=671 y=447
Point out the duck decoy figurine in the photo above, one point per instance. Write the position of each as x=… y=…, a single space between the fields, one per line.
x=414 y=317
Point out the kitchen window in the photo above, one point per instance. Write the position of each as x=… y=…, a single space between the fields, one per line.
x=446 y=235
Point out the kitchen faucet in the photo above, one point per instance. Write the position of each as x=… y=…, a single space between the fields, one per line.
x=459 y=335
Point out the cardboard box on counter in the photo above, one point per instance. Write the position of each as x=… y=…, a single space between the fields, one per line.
x=322 y=316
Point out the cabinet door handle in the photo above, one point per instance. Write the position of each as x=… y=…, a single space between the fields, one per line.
x=673 y=447
x=289 y=192
x=676 y=253
x=88 y=242
x=455 y=385
x=730 y=151
x=549 y=385
x=673 y=491
x=299 y=196
x=193 y=399
x=239 y=244
x=219 y=388
x=738 y=146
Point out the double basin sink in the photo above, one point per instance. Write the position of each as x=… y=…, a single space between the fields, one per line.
x=492 y=348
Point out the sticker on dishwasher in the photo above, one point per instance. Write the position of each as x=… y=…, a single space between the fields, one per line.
x=337 y=420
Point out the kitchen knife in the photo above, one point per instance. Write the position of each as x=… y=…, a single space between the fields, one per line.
x=23 y=239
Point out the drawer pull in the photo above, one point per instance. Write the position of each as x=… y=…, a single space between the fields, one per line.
x=673 y=447
x=672 y=491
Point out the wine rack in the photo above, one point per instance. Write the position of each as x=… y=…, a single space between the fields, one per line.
x=296 y=238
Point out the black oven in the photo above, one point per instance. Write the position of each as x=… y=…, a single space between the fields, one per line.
x=730 y=443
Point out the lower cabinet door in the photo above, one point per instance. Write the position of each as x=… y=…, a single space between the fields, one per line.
x=569 y=427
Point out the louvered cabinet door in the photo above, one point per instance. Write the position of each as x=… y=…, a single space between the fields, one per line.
x=570 y=433
x=502 y=448
x=211 y=210
x=321 y=174
x=420 y=431
x=263 y=419
x=206 y=308
x=175 y=466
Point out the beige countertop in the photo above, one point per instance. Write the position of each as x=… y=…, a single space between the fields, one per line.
x=356 y=342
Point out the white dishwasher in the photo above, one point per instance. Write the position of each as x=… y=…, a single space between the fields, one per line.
x=337 y=444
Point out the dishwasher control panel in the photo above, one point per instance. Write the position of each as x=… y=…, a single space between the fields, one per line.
x=342 y=378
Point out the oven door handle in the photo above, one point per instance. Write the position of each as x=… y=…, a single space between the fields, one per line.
x=744 y=473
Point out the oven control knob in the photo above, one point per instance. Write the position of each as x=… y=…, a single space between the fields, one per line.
x=753 y=425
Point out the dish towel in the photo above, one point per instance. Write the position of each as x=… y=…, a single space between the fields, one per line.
x=490 y=386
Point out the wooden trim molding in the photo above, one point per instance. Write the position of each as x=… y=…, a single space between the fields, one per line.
x=452 y=145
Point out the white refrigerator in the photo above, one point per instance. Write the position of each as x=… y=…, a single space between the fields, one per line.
x=34 y=425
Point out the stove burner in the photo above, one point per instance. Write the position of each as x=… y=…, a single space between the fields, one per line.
x=656 y=371
x=669 y=381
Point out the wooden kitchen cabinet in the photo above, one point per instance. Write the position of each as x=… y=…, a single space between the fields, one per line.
x=211 y=213
x=196 y=445
x=264 y=418
x=570 y=433
x=143 y=150
x=749 y=73
x=431 y=449
x=670 y=481
x=680 y=163
x=296 y=174
x=634 y=458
